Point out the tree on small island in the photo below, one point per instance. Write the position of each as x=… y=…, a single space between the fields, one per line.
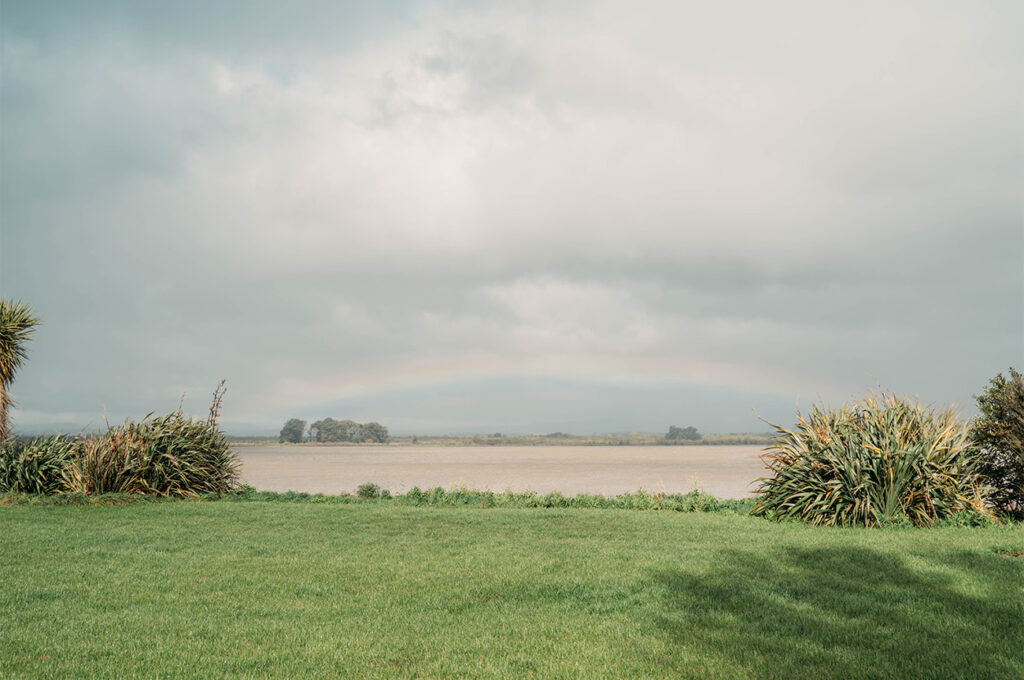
x=683 y=433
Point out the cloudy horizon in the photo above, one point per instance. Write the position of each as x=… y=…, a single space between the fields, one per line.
x=459 y=217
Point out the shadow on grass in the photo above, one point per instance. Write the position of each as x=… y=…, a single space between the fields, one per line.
x=846 y=613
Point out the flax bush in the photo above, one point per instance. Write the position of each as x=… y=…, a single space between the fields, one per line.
x=34 y=466
x=109 y=463
x=166 y=455
x=880 y=461
x=187 y=457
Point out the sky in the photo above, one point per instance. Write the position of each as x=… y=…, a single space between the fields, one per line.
x=522 y=217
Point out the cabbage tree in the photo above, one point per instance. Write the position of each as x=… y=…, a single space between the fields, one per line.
x=17 y=323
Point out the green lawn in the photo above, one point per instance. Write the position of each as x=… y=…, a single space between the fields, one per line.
x=249 y=589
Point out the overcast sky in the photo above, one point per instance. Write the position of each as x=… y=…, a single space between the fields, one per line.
x=525 y=217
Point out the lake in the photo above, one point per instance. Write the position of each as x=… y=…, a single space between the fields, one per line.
x=725 y=471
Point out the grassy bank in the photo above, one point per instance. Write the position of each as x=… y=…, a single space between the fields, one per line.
x=693 y=501
x=246 y=589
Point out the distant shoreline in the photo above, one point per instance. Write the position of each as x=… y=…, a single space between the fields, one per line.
x=741 y=439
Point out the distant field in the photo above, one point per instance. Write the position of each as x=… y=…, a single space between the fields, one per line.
x=248 y=589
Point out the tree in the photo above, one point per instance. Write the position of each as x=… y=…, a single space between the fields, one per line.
x=682 y=433
x=331 y=430
x=372 y=432
x=292 y=431
x=17 y=324
x=999 y=436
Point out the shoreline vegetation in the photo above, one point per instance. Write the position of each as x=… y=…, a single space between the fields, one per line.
x=553 y=439
x=457 y=496
x=693 y=501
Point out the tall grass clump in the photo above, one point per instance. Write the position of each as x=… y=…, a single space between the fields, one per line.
x=164 y=455
x=168 y=455
x=109 y=463
x=35 y=466
x=187 y=457
x=882 y=460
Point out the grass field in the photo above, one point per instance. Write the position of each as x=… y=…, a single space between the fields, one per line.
x=250 y=589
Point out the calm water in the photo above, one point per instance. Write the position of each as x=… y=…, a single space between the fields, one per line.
x=725 y=471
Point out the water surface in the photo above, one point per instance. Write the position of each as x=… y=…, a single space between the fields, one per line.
x=725 y=471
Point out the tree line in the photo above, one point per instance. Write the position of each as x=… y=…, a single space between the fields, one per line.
x=331 y=430
x=676 y=433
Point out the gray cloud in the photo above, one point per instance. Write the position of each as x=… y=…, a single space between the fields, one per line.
x=447 y=217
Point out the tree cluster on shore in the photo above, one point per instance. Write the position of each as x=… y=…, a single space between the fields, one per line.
x=331 y=430
x=676 y=433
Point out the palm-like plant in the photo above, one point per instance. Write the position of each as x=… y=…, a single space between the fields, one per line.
x=16 y=325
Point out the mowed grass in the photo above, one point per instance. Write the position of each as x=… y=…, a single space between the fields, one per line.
x=248 y=589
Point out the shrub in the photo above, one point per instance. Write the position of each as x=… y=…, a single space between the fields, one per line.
x=35 y=466
x=999 y=436
x=167 y=456
x=878 y=461
x=110 y=463
x=187 y=457
x=554 y=500
x=368 y=490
